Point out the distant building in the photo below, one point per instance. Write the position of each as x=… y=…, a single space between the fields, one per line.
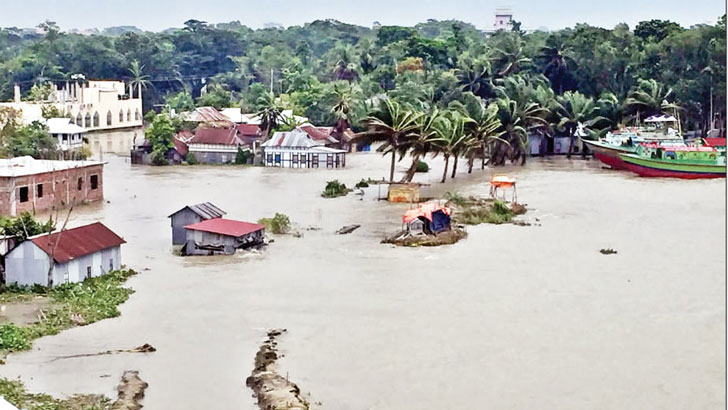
x=28 y=184
x=75 y=254
x=68 y=134
x=142 y=153
x=503 y=19
x=207 y=115
x=216 y=145
x=94 y=105
x=221 y=236
x=189 y=215
x=304 y=147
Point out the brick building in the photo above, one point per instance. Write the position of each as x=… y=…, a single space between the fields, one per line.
x=28 y=184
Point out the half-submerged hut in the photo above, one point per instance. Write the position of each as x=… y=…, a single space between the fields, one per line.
x=189 y=215
x=433 y=217
x=221 y=236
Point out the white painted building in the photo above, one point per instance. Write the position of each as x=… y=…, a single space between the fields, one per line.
x=75 y=254
x=68 y=134
x=297 y=149
x=107 y=109
x=503 y=19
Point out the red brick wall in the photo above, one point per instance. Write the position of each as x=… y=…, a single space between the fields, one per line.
x=60 y=188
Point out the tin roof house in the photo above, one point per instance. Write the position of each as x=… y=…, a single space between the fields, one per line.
x=216 y=145
x=68 y=134
x=189 y=215
x=304 y=147
x=221 y=236
x=71 y=256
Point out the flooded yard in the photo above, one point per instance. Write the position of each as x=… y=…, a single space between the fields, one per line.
x=510 y=318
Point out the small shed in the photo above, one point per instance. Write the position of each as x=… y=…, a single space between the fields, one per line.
x=192 y=214
x=221 y=236
x=76 y=254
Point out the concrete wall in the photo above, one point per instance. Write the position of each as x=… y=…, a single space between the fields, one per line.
x=27 y=264
x=179 y=221
x=60 y=188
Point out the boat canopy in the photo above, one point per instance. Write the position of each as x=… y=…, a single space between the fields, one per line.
x=661 y=118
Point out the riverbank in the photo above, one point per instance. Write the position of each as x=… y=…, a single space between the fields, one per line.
x=30 y=313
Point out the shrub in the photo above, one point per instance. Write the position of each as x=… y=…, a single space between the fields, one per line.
x=455 y=198
x=241 y=157
x=191 y=159
x=334 y=189
x=362 y=184
x=24 y=226
x=159 y=156
x=422 y=167
x=13 y=338
x=279 y=224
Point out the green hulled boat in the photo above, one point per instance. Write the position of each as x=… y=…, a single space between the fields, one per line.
x=685 y=162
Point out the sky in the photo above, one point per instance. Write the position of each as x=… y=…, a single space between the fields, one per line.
x=157 y=15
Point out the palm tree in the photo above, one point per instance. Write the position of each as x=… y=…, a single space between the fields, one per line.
x=610 y=109
x=420 y=142
x=575 y=110
x=557 y=65
x=514 y=134
x=452 y=139
x=510 y=54
x=649 y=97
x=391 y=126
x=474 y=75
x=345 y=68
x=269 y=113
x=138 y=80
x=484 y=128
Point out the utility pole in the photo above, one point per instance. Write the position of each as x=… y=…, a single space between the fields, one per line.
x=271 y=81
x=711 y=109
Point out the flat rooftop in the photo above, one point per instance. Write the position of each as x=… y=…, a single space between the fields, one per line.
x=22 y=166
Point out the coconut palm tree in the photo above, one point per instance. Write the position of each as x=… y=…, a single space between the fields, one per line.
x=575 y=110
x=269 y=113
x=484 y=128
x=610 y=109
x=138 y=79
x=345 y=68
x=420 y=142
x=510 y=54
x=650 y=98
x=514 y=134
x=557 y=65
x=452 y=139
x=474 y=75
x=392 y=126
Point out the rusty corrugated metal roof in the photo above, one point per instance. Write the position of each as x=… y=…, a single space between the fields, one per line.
x=204 y=210
x=76 y=242
x=227 y=227
x=217 y=136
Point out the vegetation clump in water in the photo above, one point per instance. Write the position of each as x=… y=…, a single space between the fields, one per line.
x=73 y=304
x=280 y=224
x=475 y=211
x=407 y=238
x=335 y=189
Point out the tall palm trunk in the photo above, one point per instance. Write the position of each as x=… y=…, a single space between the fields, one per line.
x=412 y=169
x=444 y=172
x=482 y=164
x=471 y=161
x=454 y=166
x=571 y=144
x=391 y=167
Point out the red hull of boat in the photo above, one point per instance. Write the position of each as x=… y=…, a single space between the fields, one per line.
x=612 y=160
x=662 y=173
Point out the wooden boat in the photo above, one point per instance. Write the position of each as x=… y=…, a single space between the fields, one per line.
x=609 y=153
x=654 y=160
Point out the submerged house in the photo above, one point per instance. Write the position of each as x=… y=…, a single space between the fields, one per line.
x=68 y=134
x=189 y=215
x=142 y=154
x=302 y=149
x=216 y=145
x=221 y=236
x=70 y=256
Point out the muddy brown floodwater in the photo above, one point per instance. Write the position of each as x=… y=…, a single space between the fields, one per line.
x=510 y=318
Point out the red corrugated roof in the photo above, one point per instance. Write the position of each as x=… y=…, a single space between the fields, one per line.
x=223 y=136
x=180 y=147
x=74 y=243
x=317 y=133
x=227 y=227
x=249 y=130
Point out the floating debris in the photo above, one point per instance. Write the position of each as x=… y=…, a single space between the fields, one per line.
x=348 y=229
x=607 y=251
x=131 y=391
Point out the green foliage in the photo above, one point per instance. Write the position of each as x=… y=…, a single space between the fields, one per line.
x=40 y=92
x=335 y=189
x=32 y=139
x=150 y=116
x=422 y=167
x=280 y=224
x=24 y=226
x=181 y=101
x=455 y=198
x=51 y=111
x=216 y=96
x=191 y=159
x=92 y=300
x=161 y=134
x=241 y=157
x=362 y=184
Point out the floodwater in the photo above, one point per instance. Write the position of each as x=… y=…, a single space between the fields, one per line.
x=511 y=318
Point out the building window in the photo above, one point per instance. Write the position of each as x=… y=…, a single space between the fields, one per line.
x=87 y=120
x=79 y=120
x=94 y=181
x=278 y=159
x=108 y=118
x=295 y=159
x=121 y=115
x=128 y=115
x=39 y=190
x=314 y=161
x=24 y=194
x=64 y=137
x=96 y=119
x=137 y=117
x=111 y=264
x=79 y=184
x=88 y=271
